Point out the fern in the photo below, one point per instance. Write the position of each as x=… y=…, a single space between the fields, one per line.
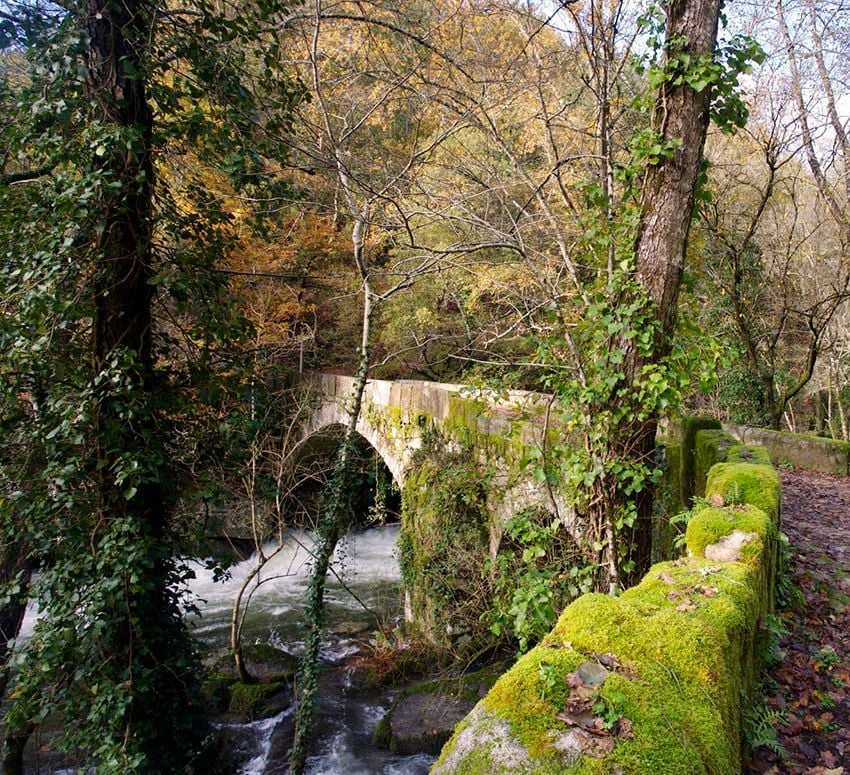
x=761 y=729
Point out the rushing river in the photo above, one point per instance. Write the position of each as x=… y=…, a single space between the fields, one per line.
x=368 y=567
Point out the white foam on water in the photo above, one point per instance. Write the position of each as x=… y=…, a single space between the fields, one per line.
x=364 y=561
x=367 y=563
x=413 y=765
x=341 y=759
x=262 y=731
x=31 y=616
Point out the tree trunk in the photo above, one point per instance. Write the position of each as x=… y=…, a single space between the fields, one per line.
x=331 y=528
x=667 y=202
x=13 y=751
x=146 y=628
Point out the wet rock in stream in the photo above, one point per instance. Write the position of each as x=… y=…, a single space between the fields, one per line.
x=423 y=719
x=421 y=723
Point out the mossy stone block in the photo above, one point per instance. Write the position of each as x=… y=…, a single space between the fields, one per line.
x=710 y=447
x=749 y=453
x=757 y=485
x=690 y=426
x=710 y=525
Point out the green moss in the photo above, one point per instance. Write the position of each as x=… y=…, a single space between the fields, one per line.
x=749 y=453
x=382 y=736
x=668 y=502
x=757 y=485
x=690 y=427
x=462 y=418
x=252 y=700
x=709 y=525
x=444 y=542
x=710 y=447
x=681 y=685
x=215 y=691
x=673 y=458
x=533 y=718
x=469 y=686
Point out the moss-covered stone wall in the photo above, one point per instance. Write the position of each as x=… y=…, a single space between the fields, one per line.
x=813 y=453
x=657 y=681
x=444 y=545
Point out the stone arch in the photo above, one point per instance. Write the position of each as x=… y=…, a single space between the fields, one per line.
x=330 y=414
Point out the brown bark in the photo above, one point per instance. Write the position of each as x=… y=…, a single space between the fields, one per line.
x=667 y=196
x=667 y=202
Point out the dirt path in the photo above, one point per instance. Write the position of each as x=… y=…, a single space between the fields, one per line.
x=808 y=693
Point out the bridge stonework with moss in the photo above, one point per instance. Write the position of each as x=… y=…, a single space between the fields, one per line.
x=461 y=459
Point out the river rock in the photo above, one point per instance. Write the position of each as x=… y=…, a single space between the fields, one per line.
x=425 y=716
x=349 y=629
x=421 y=723
x=265 y=662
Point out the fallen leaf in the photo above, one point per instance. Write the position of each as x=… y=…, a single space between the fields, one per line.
x=623 y=728
x=582 y=720
x=685 y=605
x=609 y=660
x=666 y=578
x=574 y=680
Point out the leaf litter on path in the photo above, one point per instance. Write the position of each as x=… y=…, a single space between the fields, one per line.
x=810 y=683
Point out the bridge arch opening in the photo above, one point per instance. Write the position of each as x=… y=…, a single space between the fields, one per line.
x=375 y=496
x=367 y=556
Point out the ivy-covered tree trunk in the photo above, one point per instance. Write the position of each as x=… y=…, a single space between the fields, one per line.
x=99 y=250
x=129 y=453
x=667 y=203
x=334 y=521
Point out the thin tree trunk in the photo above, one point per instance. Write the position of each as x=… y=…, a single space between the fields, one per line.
x=331 y=528
x=845 y=431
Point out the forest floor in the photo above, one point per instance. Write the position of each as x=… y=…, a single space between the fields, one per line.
x=807 y=689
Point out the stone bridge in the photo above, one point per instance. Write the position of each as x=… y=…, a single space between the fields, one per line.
x=501 y=429
x=460 y=457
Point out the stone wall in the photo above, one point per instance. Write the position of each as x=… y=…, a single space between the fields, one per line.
x=813 y=453
x=657 y=681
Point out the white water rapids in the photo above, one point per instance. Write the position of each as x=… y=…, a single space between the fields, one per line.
x=368 y=567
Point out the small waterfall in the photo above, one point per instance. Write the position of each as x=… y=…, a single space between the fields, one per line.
x=365 y=562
